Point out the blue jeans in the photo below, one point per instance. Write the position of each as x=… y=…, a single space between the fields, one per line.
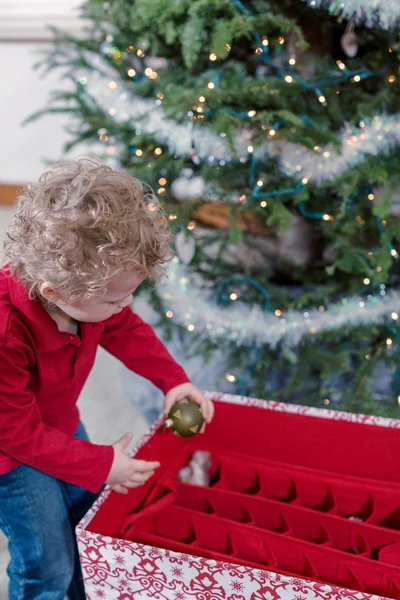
x=38 y=514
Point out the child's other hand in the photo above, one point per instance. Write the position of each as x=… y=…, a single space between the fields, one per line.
x=128 y=472
x=188 y=390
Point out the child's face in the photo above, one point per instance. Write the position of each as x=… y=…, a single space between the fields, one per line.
x=118 y=296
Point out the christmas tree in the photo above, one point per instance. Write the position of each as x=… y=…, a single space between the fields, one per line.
x=269 y=131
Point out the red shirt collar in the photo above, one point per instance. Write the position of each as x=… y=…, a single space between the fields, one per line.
x=44 y=329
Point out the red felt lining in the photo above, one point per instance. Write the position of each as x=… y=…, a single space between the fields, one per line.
x=286 y=494
x=188 y=531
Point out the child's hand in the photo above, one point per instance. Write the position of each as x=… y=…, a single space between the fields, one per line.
x=127 y=472
x=188 y=390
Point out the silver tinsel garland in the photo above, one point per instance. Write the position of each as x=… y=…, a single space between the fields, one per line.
x=187 y=305
x=379 y=135
x=371 y=13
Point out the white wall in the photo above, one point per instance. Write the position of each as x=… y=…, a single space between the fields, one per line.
x=23 y=150
x=23 y=27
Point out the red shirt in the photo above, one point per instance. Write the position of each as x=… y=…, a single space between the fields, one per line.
x=42 y=372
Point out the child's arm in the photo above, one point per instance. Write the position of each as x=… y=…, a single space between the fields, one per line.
x=134 y=343
x=24 y=438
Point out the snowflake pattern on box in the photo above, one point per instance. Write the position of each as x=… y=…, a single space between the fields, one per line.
x=116 y=569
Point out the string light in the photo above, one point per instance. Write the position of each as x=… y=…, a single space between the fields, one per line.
x=173 y=217
x=366 y=281
x=263 y=203
x=252 y=113
x=158 y=151
x=161 y=191
x=112 y=85
x=389 y=342
x=202 y=99
x=281 y=40
x=191 y=225
x=151 y=206
x=394 y=253
x=288 y=79
x=140 y=53
x=265 y=42
x=112 y=111
x=260 y=183
x=292 y=61
x=258 y=51
x=278 y=312
x=357 y=78
x=230 y=377
x=211 y=85
x=162 y=181
x=322 y=99
x=326 y=401
x=131 y=72
x=169 y=314
x=371 y=196
x=233 y=296
x=213 y=56
x=394 y=316
x=272 y=132
x=190 y=327
x=139 y=152
x=392 y=78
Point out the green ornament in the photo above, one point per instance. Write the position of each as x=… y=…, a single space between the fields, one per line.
x=185 y=418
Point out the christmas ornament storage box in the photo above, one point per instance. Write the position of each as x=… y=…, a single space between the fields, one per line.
x=304 y=504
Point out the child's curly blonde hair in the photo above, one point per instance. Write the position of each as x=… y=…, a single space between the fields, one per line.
x=81 y=224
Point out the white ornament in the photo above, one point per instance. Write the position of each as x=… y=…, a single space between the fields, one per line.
x=185 y=187
x=185 y=247
x=349 y=43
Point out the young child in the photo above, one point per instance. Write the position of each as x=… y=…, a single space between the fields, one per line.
x=83 y=239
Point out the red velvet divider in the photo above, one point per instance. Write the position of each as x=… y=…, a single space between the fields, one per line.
x=327 y=529
x=299 y=495
x=217 y=536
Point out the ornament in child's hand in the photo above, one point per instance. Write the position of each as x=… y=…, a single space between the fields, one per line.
x=185 y=418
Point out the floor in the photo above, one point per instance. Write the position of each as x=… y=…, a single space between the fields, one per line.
x=106 y=410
